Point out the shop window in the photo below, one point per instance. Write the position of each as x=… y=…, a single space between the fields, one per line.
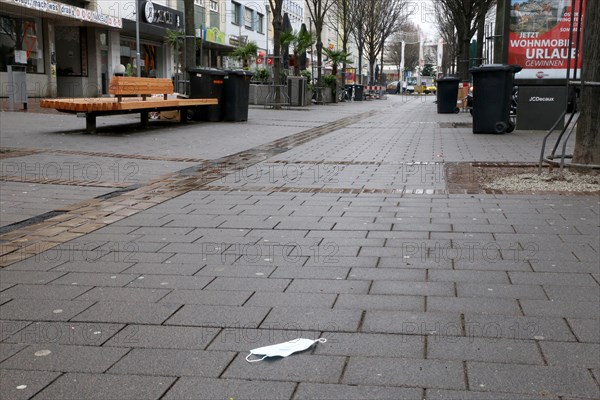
x=71 y=51
x=148 y=58
x=21 y=37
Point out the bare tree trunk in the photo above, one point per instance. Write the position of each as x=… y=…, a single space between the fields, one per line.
x=499 y=31
x=587 y=140
x=480 y=39
x=190 y=35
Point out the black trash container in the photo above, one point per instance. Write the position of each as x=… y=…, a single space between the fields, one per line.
x=358 y=92
x=447 y=95
x=350 y=90
x=207 y=83
x=492 y=92
x=236 y=95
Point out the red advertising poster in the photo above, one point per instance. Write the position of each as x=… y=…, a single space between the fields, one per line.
x=539 y=38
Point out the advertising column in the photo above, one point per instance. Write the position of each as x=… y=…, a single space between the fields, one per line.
x=539 y=43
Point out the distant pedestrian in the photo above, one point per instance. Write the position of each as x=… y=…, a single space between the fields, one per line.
x=398 y=87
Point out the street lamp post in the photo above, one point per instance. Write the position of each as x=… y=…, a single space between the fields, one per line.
x=267 y=28
x=137 y=39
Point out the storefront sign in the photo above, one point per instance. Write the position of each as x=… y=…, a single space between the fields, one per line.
x=539 y=38
x=69 y=11
x=214 y=35
x=162 y=16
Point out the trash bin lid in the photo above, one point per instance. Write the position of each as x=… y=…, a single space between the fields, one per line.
x=448 y=79
x=239 y=72
x=208 y=71
x=496 y=67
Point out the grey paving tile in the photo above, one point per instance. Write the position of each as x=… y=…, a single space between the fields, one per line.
x=43 y=292
x=567 y=309
x=298 y=368
x=483 y=349
x=94 y=279
x=97 y=266
x=310 y=272
x=40 y=262
x=252 y=284
x=208 y=297
x=9 y=328
x=9 y=349
x=65 y=358
x=73 y=386
x=275 y=299
x=328 y=286
x=380 y=302
x=219 y=316
x=329 y=260
x=67 y=333
x=519 y=328
x=127 y=294
x=210 y=388
x=585 y=355
x=47 y=310
x=549 y=278
x=387 y=274
x=573 y=293
x=163 y=337
x=170 y=282
x=476 y=305
x=312 y=319
x=243 y=339
x=236 y=271
x=468 y=276
x=323 y=391
x=415 y=262
x=560 y=381
x=586 y=330
x=414 y=323
x=32 y=277
x=170 y=362
x=371 y=345
x=129 y=313
x=490 y=290
x=165 y=268
x=413 y=288
x=437 y=394
x=404 y=372
x=23 y=385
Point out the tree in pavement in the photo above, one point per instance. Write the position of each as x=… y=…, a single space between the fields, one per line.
x=318 y=10
x=341 y=21
x=587 y=140
x=409 y=34
x=465 y=15
x=445 y=28
x=299 y=41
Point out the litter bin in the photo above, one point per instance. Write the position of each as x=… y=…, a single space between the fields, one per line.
x=492 y=92
x=207 y=83
x=447 y=95
x=236 y=95
x=17 y=86
x=358 y=92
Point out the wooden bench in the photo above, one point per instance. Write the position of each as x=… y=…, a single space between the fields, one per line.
x=132 y=96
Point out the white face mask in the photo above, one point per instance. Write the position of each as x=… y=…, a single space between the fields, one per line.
x=283 y=349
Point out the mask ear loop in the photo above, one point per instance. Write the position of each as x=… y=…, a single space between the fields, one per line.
x=321 y=340
x=251 y=361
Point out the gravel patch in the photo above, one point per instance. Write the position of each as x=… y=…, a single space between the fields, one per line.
x=527 y=179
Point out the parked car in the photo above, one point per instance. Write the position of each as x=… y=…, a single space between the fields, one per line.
x=392 y=87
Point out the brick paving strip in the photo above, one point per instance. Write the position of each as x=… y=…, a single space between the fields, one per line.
x=7 y=152
x=82 y=218
x=68 y=182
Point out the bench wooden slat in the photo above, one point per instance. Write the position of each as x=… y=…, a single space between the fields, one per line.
x=126 y=85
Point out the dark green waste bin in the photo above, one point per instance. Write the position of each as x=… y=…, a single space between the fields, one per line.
x=207 y=83
x=492 y=92
x=236 y=95
x=447 y=95
x=359 y=91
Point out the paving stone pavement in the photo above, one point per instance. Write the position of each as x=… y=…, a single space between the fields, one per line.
x=420 y=295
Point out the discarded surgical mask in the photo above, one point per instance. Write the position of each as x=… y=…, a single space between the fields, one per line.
x=283 y=349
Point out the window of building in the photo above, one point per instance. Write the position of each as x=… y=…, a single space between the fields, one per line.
x=23 y=35
x=71 y=51
x=237 y=13
x=199 y=17
x=148 y=56
x=259 y=23
x=249 y=18
x=214 y=6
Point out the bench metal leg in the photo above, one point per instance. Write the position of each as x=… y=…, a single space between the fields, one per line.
x=90 y=123
x=144 y=119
